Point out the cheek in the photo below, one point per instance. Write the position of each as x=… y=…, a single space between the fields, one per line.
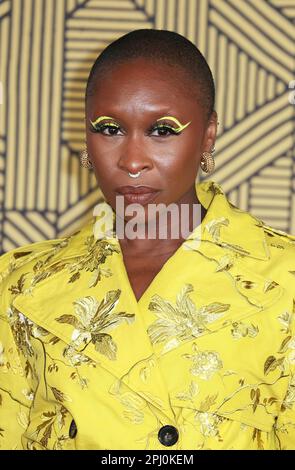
x=102 y=158
x=181 y=160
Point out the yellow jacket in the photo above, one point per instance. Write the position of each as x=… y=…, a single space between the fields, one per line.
x=208 y=350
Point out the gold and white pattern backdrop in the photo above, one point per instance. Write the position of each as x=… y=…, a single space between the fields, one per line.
x=46 y=50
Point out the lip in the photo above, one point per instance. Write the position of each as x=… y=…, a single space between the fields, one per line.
x=138 y=194
x=140 y=189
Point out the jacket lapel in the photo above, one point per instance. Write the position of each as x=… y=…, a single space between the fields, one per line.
x=97 y=320
x=212 y=289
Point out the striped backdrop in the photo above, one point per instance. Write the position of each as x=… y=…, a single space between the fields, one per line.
x=46 y=50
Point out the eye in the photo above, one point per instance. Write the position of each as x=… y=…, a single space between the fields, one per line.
x=163 y=129
x=111 y=127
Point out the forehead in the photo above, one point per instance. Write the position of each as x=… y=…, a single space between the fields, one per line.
x=141 y=71
x=142 y=86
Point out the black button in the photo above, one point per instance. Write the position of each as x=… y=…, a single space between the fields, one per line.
x=73 y=430
x=168 y=435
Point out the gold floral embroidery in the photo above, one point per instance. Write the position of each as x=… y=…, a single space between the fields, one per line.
x=50 y=420
x=289 y=400
x=214 y=227
x=92 y=261
x=189 y=395
x=204 y=363
x=241 y=330
x=97 y=253
x=209 y=424
x=134 y=405
x=22 y=330
x=91 y=322
x=182 y=321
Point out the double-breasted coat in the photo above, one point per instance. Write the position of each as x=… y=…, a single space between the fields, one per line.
x=204 y=360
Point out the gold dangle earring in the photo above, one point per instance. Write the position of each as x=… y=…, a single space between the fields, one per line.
x=84 y=160
x=207 y=162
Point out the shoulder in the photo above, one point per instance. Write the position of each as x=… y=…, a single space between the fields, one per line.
x=17 y=257
x=271 y=250
x=19 y=263
x=25 y=266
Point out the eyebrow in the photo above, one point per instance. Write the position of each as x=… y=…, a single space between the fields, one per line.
x=172 y=118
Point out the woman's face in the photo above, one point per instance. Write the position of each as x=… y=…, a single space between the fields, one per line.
x=132 y=98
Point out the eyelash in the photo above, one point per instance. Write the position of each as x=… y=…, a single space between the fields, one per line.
x=100 y=128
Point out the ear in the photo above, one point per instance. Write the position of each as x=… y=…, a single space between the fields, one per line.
x=210 y=132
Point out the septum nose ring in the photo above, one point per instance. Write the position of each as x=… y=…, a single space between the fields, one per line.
x=134 y=175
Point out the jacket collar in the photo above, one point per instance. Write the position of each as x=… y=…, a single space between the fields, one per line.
x=228 y=226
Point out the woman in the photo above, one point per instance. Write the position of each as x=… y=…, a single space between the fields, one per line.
x=184 y=342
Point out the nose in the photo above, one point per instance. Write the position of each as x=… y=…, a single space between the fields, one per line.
x=134 y=158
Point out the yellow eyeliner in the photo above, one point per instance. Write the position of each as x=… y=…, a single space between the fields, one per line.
x=180 y=126
x=178 y=129
x=100 y=118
